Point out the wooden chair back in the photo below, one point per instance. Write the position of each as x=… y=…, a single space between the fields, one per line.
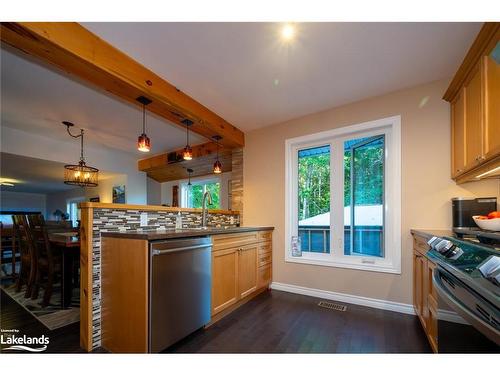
x=38 y=230
x=23 y=235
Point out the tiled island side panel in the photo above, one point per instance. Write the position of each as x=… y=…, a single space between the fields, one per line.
x=113 y=220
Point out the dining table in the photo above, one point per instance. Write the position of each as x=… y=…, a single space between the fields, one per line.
x=69 y=245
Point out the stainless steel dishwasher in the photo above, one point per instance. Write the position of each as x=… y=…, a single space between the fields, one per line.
x=179 y=289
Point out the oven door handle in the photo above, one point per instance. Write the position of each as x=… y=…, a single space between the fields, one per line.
x=463 y=310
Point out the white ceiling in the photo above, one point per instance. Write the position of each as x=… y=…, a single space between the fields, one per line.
x=36 y=175
x=36 y=98
x=231 y=67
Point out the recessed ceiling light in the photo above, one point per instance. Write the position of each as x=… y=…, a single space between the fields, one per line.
x=288 y=32
x=8 y=181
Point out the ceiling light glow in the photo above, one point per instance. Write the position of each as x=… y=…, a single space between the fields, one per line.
x=8 y=181
x=288 y=32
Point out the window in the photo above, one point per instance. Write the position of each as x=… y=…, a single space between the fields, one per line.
x=343 y=196
x=192 y=196
x=72 y=209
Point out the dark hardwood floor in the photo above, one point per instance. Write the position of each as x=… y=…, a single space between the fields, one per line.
x=273 y=322
x=13 y=316
x=280 y=322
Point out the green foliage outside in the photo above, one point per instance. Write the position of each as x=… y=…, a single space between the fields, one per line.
x=314 y=185
x=196 y=195
x=314 y=179
x=369 y=175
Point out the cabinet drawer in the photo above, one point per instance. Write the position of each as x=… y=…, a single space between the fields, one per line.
x=225 y=241
x=264 y=276
x=265 y=259
x=266 y=236
x=265 y=247
x=420 y=245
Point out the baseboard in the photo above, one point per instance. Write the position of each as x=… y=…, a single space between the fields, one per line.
x=403 y=308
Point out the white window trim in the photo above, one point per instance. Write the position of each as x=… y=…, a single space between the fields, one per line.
x=391 y=263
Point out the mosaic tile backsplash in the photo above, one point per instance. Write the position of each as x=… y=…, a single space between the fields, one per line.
x=114 y=220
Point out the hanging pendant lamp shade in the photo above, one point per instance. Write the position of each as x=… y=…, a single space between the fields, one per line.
x=189 y=171
x=187 y=153
x=217 y=165
x=80 y=174
x=143 y=142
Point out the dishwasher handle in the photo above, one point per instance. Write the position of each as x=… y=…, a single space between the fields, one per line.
x=177 y=249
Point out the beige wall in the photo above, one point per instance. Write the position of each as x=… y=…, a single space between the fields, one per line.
x=426 y=185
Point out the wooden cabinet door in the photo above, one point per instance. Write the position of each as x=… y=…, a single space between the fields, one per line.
x=473 y=119
x=425 y=290
x=247 y=271
x=492 y=108
x=458 y=135
x=224 y=279
x=418 y=290
x=264 y=276
x=432 y=317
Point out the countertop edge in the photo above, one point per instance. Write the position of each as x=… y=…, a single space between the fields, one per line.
x=429 y=233
x=185 y=233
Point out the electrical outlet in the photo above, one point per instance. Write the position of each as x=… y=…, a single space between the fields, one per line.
x=144 y=219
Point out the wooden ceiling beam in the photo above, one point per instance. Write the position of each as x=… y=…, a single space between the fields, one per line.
x=170 y=166
x=77 y=51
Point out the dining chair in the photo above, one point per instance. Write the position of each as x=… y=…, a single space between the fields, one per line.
x=27 y=270
x=8 y=249
x=48 y=262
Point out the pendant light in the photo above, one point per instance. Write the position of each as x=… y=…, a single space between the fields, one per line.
x=143 y=142
x=217 y=164
x=187 y=154
x=189 y=171
x=79 y=174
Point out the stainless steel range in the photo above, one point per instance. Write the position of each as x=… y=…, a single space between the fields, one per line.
x=467 y=279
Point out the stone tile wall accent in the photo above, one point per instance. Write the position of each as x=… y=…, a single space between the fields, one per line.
x=237 y=182
x=115 y=220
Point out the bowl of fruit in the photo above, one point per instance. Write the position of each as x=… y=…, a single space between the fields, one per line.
x=489 y=222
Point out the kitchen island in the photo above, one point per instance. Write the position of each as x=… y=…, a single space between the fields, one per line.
x=141 y=288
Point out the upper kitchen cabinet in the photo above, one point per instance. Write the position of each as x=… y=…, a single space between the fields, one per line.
x=492 y=104
x=474 y=94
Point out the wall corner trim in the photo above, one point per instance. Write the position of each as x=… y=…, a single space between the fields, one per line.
x=403 y=308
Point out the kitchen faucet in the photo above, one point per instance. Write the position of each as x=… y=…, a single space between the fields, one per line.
x=204 y=208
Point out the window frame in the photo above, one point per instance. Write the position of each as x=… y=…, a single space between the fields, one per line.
x=391 y=262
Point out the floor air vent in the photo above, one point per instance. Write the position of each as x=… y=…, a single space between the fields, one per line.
x=332 y=306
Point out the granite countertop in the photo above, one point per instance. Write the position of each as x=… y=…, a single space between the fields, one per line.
x=152 y=235
x=429 y=233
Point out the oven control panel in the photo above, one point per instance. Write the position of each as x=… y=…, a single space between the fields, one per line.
x=446 y=248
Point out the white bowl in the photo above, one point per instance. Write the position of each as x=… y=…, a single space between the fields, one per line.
x=489 y=224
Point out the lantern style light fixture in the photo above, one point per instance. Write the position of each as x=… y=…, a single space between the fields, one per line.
x=143 y=142
x=217 y=164
x=189 y=171
x=79 y=174
x=187 y=153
